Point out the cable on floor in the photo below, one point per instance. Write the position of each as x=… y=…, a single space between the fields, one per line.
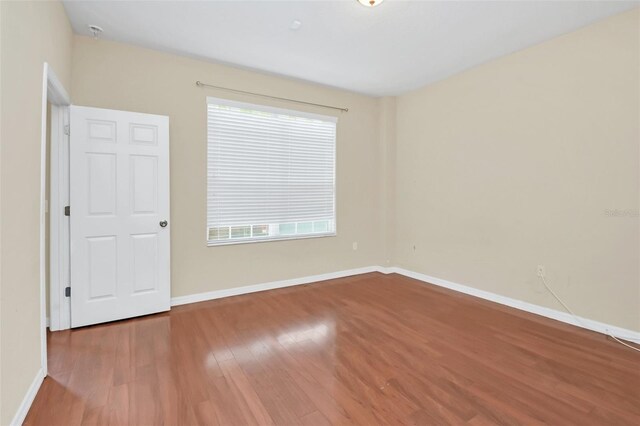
x=577 y=318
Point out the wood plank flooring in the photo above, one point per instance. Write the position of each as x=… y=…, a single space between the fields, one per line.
x=371 y=349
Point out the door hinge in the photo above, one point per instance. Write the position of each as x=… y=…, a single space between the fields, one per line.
x=67 y=210
x=67 y=292
x=67 y=130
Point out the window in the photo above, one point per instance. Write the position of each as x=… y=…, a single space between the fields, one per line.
x=270 y=173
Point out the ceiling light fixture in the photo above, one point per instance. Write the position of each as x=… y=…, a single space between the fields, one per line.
x=370 y=3
x=95 y=31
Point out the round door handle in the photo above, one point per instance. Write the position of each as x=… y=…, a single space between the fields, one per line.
x=163 y=223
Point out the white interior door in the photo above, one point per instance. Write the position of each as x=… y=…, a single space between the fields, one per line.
x=119 y=199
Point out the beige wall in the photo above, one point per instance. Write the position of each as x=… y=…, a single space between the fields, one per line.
x=32 y=33
x=514 y=163
x=388 y=130
x=119 y=76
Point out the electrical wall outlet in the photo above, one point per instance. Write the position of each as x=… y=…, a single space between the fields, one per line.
x=540 y=271
x=355 y=245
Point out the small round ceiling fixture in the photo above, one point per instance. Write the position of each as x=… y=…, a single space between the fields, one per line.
x=295 y=25
x=95 y=31
x=370 y=3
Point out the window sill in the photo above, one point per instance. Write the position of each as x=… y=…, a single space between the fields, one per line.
x=267 y=240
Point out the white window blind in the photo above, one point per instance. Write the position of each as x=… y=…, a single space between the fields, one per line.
x=270 y=173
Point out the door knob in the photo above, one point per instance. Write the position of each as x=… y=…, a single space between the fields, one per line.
x=163 y=223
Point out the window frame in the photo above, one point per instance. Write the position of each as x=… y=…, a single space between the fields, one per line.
x=273 y=110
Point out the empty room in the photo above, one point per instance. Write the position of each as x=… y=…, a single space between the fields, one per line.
x=306 y=212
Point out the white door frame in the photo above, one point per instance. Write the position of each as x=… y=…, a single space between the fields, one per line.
x=53 y=92
x=59 y=306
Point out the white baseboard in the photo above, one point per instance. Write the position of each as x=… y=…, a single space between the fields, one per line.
x=600 y=327
x=21 y=414
x=217 y=294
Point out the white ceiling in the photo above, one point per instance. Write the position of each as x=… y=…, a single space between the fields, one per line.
x=387 y=50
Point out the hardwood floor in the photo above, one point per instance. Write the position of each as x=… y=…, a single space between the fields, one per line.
x=370 y=349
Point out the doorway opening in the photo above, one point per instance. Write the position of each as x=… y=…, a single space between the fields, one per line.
x=54 y=187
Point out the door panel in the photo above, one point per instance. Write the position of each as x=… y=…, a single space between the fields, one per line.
x=119 y=194
x=144 y=184
x=102 y=255
x=101 y=180
x=144 y=265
